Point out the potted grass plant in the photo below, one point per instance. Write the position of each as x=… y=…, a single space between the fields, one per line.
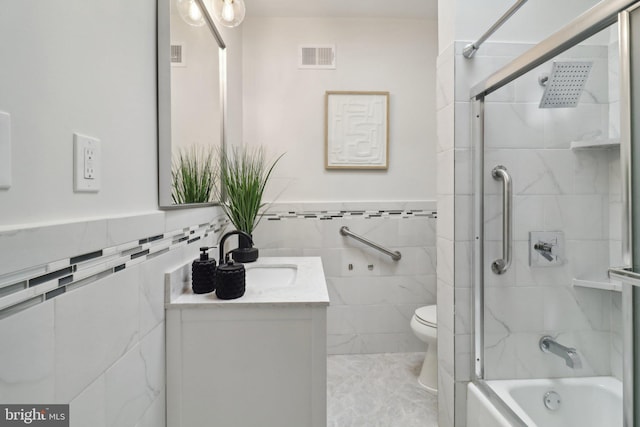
x=244 y=173
x=193 y=175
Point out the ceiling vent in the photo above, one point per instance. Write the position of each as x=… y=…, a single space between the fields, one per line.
x=178 y=57
x=317 y=57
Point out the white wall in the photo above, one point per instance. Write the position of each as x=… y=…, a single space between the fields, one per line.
x=233 y=38
x=78 y=67
x=195 y=87
x=284 y=106
x=89 y=68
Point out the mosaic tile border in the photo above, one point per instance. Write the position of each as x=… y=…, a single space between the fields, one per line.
x=24 y=289
x=338 y=214
x=20 y=290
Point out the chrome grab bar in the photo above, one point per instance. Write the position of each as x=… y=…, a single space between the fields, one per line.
x=499 y=266
x=395 y=255
x=470 y=49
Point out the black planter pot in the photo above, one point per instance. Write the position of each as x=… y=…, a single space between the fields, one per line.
x=245 y=251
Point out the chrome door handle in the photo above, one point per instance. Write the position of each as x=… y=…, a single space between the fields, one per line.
x=500 y=266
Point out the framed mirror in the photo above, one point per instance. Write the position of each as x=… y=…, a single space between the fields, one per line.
x=191 y=94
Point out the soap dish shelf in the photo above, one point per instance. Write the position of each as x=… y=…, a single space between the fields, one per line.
x=604 y=284
x=594 y=144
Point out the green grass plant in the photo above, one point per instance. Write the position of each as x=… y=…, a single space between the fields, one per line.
x=244 y=173
x=193 y=175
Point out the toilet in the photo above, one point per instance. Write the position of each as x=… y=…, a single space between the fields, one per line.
x=425 y=325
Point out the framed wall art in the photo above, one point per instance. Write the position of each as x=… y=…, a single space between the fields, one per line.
x=357 y=130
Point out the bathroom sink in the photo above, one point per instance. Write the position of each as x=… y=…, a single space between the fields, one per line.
x=271 y=276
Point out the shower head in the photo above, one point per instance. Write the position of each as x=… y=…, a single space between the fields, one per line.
x=565 y=84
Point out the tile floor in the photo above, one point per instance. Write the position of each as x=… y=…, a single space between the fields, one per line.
x=378 y=390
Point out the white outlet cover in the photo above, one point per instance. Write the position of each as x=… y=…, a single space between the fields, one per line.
x=80 y=144
x=5 y=150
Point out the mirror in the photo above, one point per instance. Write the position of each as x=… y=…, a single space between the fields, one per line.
x=191 y=88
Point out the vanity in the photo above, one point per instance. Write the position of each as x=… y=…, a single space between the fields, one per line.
x=259 y=360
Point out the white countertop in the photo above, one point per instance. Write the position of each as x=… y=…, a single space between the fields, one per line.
x=308 y=287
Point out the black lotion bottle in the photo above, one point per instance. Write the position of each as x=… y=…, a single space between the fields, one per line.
x=203 y=272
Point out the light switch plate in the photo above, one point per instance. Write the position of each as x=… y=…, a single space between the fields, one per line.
x=86 y=164
x=546 y=248
x=5 y=150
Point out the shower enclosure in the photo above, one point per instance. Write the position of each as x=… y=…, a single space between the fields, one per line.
x=553 y=151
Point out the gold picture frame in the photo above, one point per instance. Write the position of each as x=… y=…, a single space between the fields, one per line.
x=356 y=130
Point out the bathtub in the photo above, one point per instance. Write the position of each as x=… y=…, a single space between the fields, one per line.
x=583 y=402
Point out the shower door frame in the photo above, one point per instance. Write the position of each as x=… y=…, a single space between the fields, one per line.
x=599 y=17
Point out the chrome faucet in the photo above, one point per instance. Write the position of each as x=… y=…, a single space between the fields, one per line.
x=569 y=354
x=544 y=249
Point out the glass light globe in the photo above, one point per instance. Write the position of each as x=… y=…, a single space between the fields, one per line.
x=190 y=12
x=229 y=13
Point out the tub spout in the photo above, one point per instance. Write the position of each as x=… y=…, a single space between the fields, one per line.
x=574 y=360
x=569 y=354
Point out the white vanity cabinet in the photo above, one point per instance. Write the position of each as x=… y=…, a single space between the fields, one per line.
x=259 y=360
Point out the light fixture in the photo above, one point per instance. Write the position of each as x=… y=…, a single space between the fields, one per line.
x=190 y=12
x=229 y=13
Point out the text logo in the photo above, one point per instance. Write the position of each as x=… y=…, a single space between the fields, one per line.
x=34 y=415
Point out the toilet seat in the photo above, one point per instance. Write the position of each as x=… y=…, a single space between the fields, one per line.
x=427 y=316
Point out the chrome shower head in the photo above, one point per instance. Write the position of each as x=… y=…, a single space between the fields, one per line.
x=565 y=84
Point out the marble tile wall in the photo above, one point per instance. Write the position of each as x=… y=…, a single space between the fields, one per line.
x=450 y=117
x=100 y=346
x=372 y=297
x=555 y=189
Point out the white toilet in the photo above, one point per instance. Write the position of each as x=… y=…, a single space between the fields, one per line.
x=425 y=325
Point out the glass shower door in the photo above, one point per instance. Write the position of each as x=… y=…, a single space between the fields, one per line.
x=551 y=228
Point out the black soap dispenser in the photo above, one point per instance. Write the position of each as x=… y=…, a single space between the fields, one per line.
x=230 y=276
x=203 y=272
